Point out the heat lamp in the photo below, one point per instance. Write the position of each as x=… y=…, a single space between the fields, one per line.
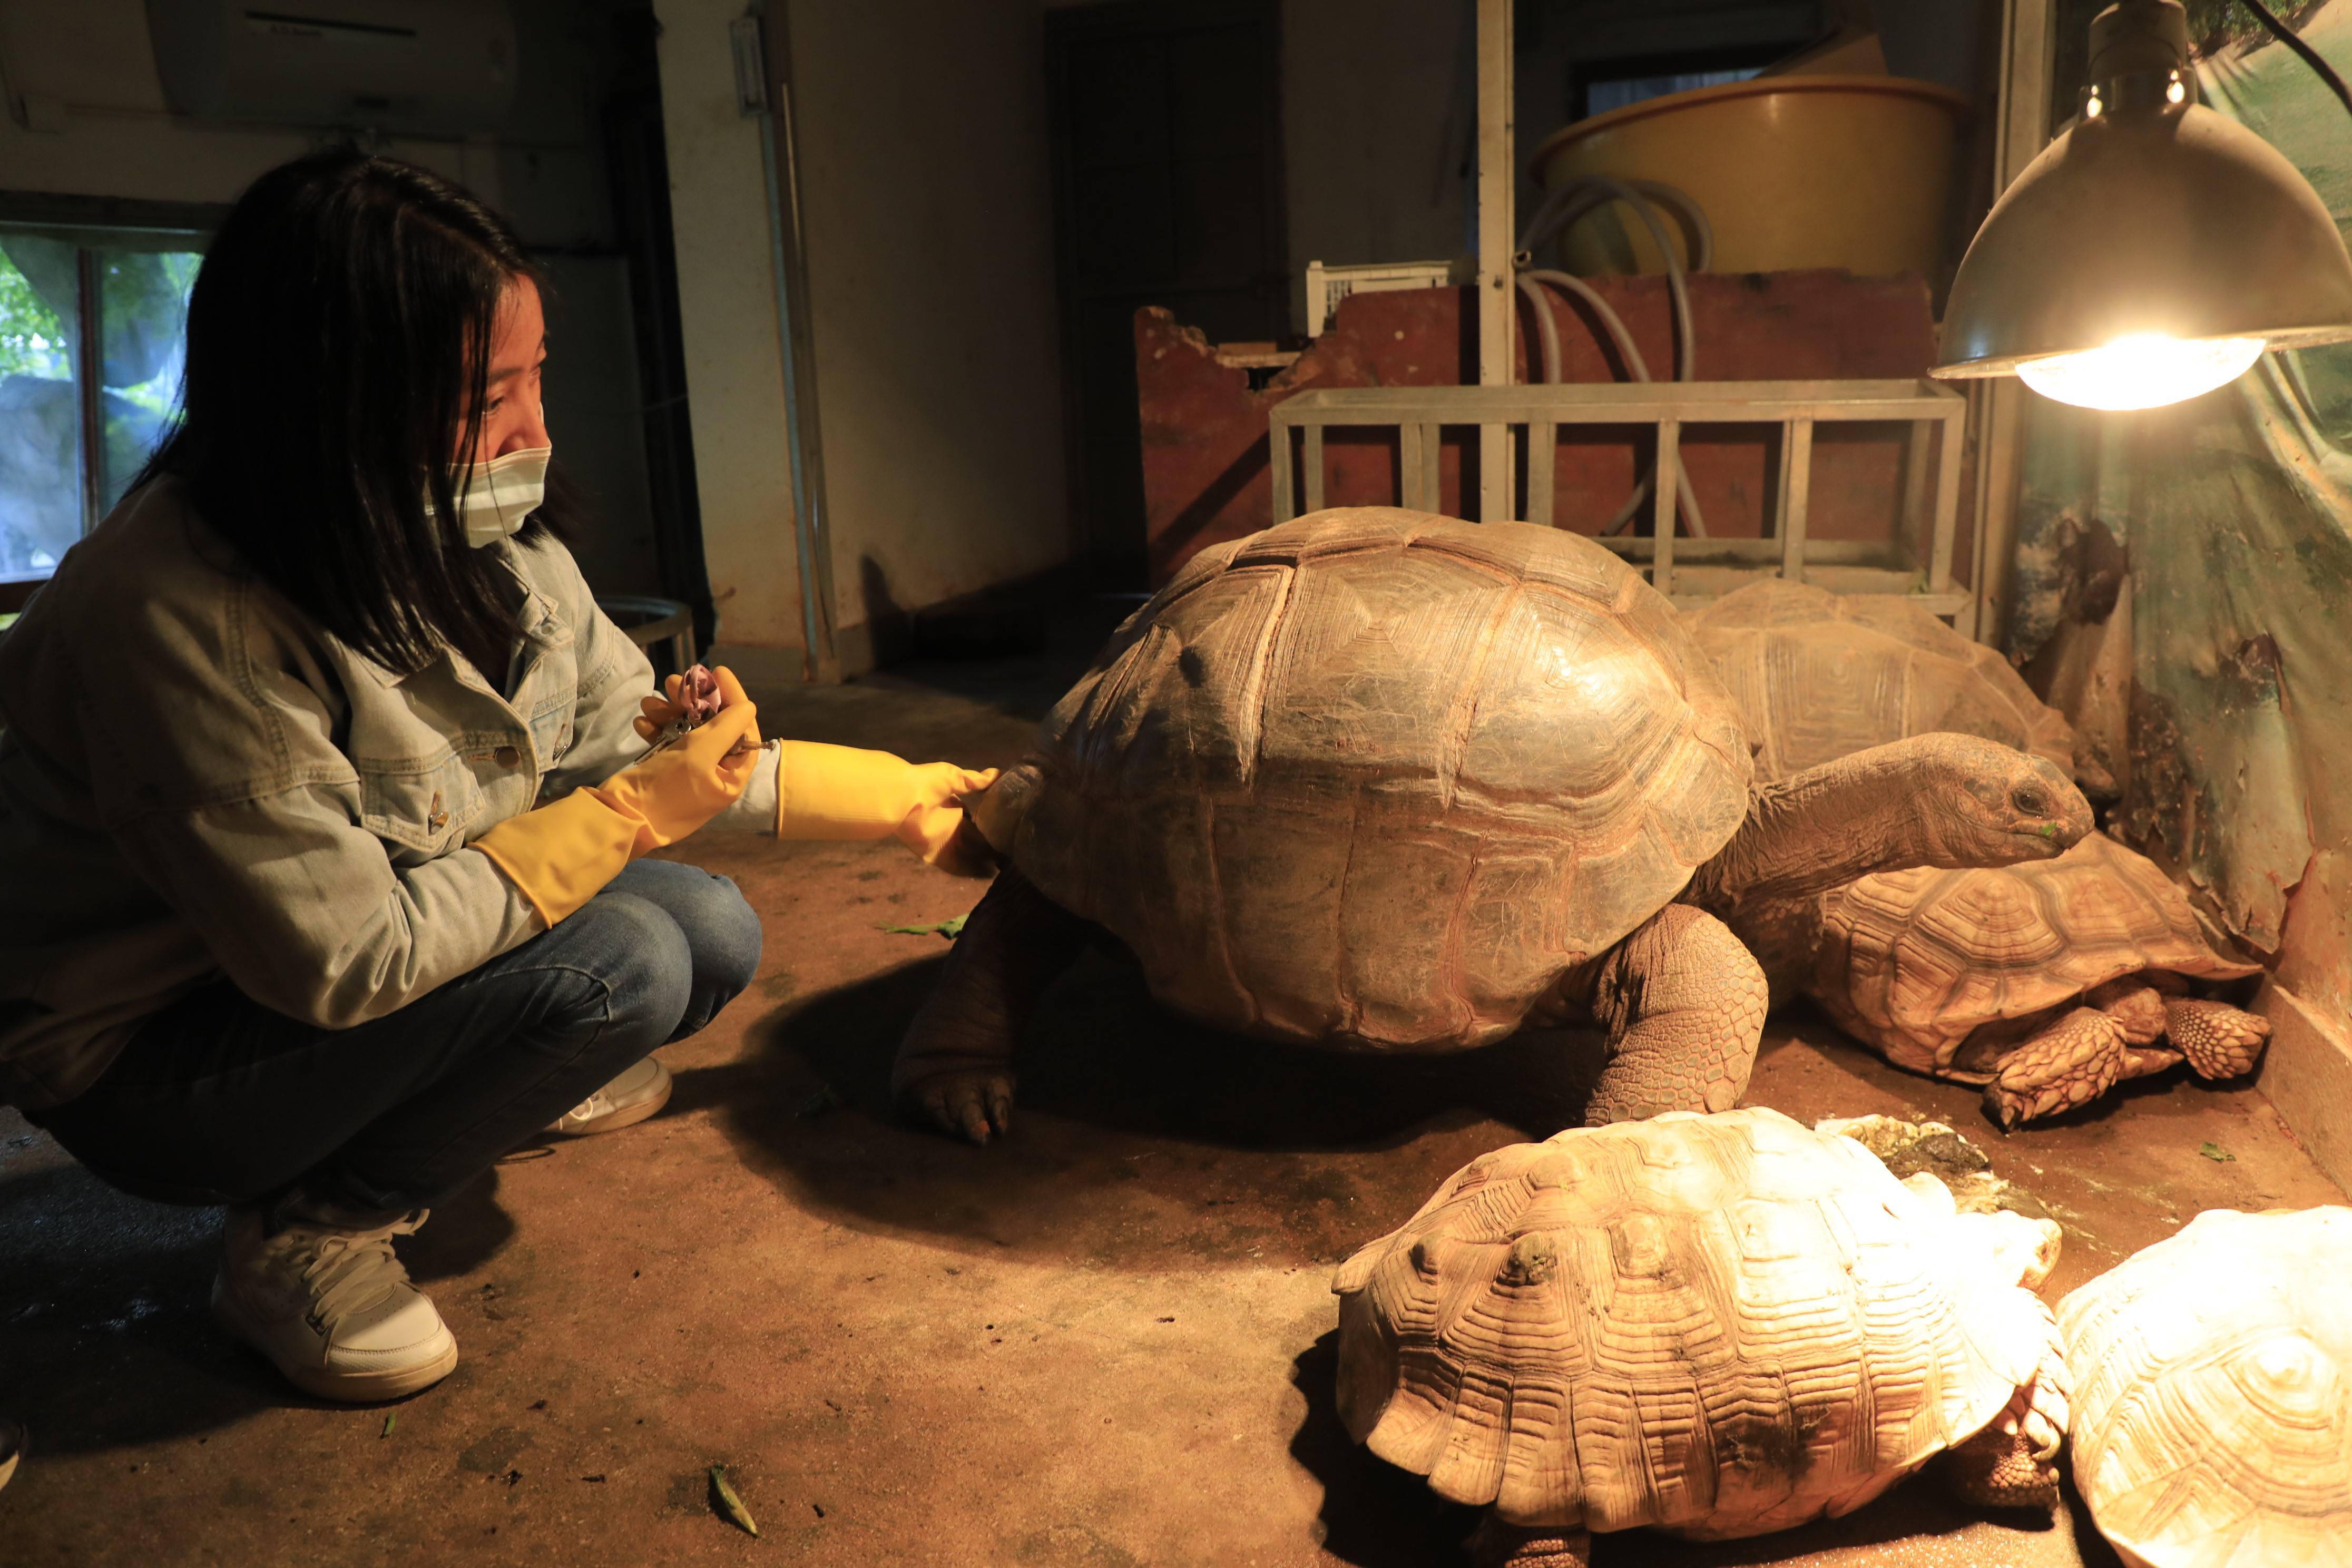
x=2157 y=248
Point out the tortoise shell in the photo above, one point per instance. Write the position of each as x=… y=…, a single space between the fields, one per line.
x=1720 y=1324
x=2213 y=1394
x=1375 y=778
x=1915 y=962
x=1818 y=676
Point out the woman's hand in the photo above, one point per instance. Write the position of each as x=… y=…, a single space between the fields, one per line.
x=844 y=793
x=687 y=701
x=678 y=789
x=560 y=855
x=659 y=711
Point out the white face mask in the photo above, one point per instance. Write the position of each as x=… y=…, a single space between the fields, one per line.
x=499 y=495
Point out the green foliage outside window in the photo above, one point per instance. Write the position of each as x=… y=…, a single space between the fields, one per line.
x=32 y=342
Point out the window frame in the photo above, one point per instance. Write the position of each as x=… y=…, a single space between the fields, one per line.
x=86 y=221
x=1585 y=73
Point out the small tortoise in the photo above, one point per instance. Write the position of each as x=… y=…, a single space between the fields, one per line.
x=1817 y=675
x=1717 y=1325
x=1383 y=781
x=2213 y=1408
x=2046 y=984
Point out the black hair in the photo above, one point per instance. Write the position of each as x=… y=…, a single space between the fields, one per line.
x=339 y=339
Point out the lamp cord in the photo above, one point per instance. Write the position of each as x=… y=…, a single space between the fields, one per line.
x=2310 y=56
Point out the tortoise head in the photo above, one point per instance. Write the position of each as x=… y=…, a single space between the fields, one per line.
x=2009 y=1248
x=1984 y=803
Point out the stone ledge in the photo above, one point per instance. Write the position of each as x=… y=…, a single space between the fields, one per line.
x=2307 y=1074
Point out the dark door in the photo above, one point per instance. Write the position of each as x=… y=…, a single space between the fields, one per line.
x=1168 y=190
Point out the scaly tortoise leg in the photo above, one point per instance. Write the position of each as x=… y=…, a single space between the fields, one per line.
x=2067 y=1063
x=2139 y=1010
x=955 y=1062
x=1498 y=1545
x=2220 y=1041
x=1684 y=1003
x=2012 y=1463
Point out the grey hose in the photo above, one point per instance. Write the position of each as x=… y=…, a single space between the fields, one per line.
x=1564 y=207
x=1635 y=366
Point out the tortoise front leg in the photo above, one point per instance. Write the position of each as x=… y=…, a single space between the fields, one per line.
x=2220 y=1041
x=2065 y=1065
x=2137 y=1009
x=1684 y=1003
x=1498 y=1545
x=955 y=1062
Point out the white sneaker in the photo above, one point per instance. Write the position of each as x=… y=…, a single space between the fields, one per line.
x=332 y=1307
x=628 y=1100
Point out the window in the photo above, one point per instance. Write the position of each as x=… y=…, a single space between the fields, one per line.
x=1601 y=97
x=1596 y=86
x=92 y=340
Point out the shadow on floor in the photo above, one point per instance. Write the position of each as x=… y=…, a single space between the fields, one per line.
x=1375 y=1515
x=94 y=1331
x=1117 y=1091
x=1803 y=1021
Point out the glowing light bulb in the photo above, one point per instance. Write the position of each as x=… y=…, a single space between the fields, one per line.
x=2145 y=370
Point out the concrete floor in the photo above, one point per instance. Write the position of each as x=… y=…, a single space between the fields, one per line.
x=1107 y=1341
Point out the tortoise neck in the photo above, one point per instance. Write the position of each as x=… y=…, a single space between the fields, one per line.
x=1822 y=828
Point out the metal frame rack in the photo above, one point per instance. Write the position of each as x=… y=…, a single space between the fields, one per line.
x=1688 y=570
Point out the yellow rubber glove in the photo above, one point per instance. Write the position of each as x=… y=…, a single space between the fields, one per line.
x=561 y=855
x=841 y=792
x=655 y=713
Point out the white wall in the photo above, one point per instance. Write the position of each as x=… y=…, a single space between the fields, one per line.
x=734 y=352
x=925 y=200
x=120 y=139
x=927 y=195
x=543 y=168
x=1373 y=130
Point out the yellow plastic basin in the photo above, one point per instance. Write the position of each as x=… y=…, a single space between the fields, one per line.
x=1852 y=172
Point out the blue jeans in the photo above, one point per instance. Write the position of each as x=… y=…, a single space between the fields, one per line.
x=218 y=1100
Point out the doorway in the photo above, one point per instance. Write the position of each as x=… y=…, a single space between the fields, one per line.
x=1167 y=138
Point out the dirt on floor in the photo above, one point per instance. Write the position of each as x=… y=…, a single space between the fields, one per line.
x=1108 y=1340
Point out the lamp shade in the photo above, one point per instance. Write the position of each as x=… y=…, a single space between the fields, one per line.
x=2172 y=221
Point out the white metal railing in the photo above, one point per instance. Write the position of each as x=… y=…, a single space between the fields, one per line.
x=1917 y=560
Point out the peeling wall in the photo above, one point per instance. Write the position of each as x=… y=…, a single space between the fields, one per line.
x=2229 y=520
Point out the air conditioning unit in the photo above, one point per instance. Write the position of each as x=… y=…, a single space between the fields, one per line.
x=415 y=66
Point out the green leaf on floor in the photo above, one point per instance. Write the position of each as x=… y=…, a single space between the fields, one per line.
x=948 y=929
x=728 y=1506
x=2215 y=1151
x=817 y=1104
x=390 y=1417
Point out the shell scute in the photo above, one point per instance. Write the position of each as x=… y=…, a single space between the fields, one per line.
x=2212 y=1411
x=1374 y=778
x=1817 y=675
x=1915 y=962
x=1641 y=1336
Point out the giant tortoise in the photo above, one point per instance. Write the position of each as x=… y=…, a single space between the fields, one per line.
x=1380 y=780
x=2046 y=984
x=1816 y=676
x=2215 y=1423
x=1713 y=1325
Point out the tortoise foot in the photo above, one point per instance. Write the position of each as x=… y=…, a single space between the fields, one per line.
x=2220 y=1041
x=2003 y=1469
x=2066 y=1065
x=973 y=1103
x=1498 y=1545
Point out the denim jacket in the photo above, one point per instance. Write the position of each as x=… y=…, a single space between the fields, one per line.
x=197 y=780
